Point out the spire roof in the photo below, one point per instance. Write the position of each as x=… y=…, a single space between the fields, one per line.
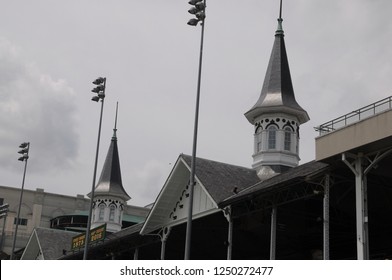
x=110 y=182
x=277 y=94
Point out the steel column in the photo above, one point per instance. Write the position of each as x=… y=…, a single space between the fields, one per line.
x=230 y=240
x=273 y=233
x=361 y=206
x=326 y=218
x=19 y=209
x=163 y=249
x=136 y=254
x=164 y=237
x=360 y=200
x=229 y=217
x=192 y=181
x=90 y=212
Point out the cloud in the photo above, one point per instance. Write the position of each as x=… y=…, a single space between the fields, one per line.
x=146 y=181
x=35 y=108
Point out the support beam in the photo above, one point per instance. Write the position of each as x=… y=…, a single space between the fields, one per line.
x=361 y=200
x=163 y=249
x=366 y=218
x=326 y=218
x=374 y=162
x=164 y=237
x=273 y=233
x=136 y=254
x=229 y=217
x=361 y=205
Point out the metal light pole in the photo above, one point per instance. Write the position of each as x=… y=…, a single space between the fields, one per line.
x=25 y=146
x=100 y=91
x=198 y=10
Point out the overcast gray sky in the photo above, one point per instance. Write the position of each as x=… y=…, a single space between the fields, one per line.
x=50 y=51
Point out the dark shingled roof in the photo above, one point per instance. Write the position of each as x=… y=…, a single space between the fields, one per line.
x=110 y=181
x=296 y=173
x=277 y=93
x=53 y=242
x=222 y=180
x=125 y=232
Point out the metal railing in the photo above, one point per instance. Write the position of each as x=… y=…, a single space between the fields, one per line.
x=355 y=116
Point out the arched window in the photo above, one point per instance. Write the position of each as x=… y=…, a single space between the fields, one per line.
x=120 y=210
x=112 y=212
x=287 y=138
x=272 y=137
x=101 y=214
x=258 y=143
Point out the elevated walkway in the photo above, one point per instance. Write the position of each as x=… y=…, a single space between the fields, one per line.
x=366 y=130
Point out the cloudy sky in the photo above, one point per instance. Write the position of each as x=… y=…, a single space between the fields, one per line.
x=50 y=51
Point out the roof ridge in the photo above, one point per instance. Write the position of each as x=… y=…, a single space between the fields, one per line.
x=220 y=162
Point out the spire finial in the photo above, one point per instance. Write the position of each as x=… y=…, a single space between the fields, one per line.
x=280 y=10
x=279 y=31
x=115 y=125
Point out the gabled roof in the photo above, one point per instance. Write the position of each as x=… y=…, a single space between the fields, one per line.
x=300 y=172
x=49 y=243
x=216 y=181
x=222 y=180
x=277 y=94
x=110 y=182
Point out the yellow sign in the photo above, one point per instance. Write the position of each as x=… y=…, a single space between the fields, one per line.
x=96 y=235
x=78 y=241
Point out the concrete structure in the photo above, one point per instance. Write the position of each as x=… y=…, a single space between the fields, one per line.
x=365 y=130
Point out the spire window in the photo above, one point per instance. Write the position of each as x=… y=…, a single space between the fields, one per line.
x=258 y=143
x=101 y=213
x=287 y=138
x=112 y=212
x=272 y=137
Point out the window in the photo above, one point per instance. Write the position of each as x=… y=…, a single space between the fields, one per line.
x=272 y=137
x=287 y=138
x=22 y=221
x=101 y=212
x=112 y=212
x=258 y=146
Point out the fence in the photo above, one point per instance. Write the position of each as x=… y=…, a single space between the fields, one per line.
x=355 y=116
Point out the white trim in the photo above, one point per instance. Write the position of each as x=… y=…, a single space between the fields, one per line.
x=201 y=185
x=165 y=186
x=148 y=227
